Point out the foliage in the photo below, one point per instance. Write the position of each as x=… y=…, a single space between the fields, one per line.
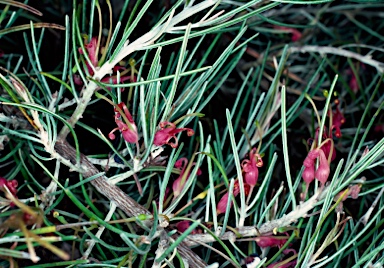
x=230 y=127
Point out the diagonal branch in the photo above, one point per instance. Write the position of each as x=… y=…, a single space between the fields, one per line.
x=340 y=52
x=249 y=231
x=122 y=200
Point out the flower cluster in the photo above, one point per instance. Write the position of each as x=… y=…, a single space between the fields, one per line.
x=128 y=128
x=323 y=170
x=325 y=152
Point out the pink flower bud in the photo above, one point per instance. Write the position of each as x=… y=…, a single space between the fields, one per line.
x=309 y=174
x=222 y=205
x=323 y=170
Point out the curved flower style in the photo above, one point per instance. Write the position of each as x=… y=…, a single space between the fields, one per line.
x=179 y=183
x=251 y=166
x=128 y=129
x=222 y=205
x=168 y=132
x=326 y=147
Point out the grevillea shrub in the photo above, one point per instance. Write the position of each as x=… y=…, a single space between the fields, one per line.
x=191 y=133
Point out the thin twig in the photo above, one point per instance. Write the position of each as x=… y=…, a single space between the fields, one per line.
x=340 y=52
x=249 y=231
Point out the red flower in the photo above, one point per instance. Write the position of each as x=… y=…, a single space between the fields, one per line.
x=337 y=120
x=168 y=132
x=251 y=166
x=271 y=241
x=322 y=171
x=127 y=129
x=91 y=50
x=222 y=205
x=182 y=226
x=309 y=173
x=11 y=185
x=179 y=183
